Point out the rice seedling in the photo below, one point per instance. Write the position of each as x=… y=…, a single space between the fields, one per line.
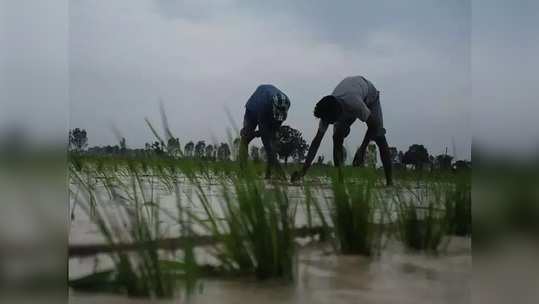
x=126 y=210
x=250 y=222
x=314 y=210
x=421 y=216
x=353 y=216
x=254 y=223
x=459 y=207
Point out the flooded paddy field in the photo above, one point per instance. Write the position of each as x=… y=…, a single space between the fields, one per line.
x=397 y=276
x=196 y=236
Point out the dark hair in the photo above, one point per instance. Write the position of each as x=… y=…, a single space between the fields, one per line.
x=328 y=109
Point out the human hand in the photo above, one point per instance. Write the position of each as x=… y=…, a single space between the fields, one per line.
x=296 y=176
x=358 y=162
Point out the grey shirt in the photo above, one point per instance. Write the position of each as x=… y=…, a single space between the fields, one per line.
x=360 y=99
x=357 y=95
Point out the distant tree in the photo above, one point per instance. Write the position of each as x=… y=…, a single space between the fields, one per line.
x=301 y=149
x=78 y=139
x=147 y=148
x=286 y=143
x=105 y=150
x=417 y=155
x=200 y=149
x=223 y=152
x=462 y=165
x=394 y=155
x=189 y=149
x=174 y=147
x=157 y=148
x=210 y=152
x=443 y=161
x=291 y=144
x=371 y=159
x=123 y=146
x=320 y=160
x=255 y=155
x=432 y=162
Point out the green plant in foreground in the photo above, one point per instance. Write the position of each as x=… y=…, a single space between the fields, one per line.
x=459 y=208
x=252 y=219
x=422 y=220
x=313 y=204
x=127 y=212
x=253 y=222
x=353 y=217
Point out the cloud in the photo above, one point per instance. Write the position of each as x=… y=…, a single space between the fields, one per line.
x=193 y=10
x=203 y=58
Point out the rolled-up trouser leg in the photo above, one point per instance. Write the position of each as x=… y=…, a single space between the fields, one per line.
x=338 y=154
x=268 y=134
x=378 y=135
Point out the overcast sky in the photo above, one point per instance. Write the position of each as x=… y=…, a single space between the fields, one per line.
x=106 y=65
x=203 y=57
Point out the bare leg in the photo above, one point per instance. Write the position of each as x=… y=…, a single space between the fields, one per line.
x=385 y=156
x=247 y=133
x=337 y=150
x=341 y=131
x=268 y=137
x=244 y=148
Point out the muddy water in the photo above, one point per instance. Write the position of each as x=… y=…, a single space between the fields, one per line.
x=397 y=276
x=83 y=231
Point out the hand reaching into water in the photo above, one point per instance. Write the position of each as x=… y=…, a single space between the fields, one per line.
x=296 y=176
x=358 y=163
x=279 y=175
x=359 y=160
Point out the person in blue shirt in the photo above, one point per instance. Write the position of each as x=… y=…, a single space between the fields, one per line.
x=266 y=109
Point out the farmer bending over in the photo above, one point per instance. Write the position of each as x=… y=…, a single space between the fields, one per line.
x=354 y=98
x=267 y=108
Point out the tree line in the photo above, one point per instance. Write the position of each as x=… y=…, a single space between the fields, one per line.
x=290 y=145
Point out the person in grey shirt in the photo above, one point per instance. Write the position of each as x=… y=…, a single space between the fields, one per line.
x=354 y=98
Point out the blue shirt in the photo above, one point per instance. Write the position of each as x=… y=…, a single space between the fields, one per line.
x=260 y=103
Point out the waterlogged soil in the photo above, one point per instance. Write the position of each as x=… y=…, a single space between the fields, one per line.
x=396 y=276
x=83 y=231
